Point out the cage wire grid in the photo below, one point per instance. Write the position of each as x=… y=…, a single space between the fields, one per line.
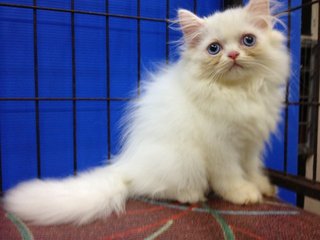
x=308 y=187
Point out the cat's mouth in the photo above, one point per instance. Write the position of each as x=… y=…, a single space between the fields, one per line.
x=235 y=65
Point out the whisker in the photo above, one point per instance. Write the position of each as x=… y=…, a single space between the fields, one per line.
x=262 y=66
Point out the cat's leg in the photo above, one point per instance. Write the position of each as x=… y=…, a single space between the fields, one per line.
x=190 y=196
x=164 y=172
x=227 y=177
x=256 y=175
x=187 y=182
x=185 y=196
x=182 y=195
x=253 y=167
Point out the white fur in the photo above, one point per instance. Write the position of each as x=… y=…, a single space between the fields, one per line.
x=196 y=127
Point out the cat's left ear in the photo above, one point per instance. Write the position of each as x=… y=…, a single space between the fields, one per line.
x=190 y=25
x=260 y=8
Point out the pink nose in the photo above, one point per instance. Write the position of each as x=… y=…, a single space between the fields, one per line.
x=233 y=55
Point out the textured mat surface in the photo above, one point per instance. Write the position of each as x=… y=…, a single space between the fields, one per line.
x=149 y=219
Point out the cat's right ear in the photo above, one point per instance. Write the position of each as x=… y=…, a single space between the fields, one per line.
x=260 y=8
x=191 y=26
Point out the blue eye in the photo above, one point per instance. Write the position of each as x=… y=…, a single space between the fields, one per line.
x=249 y=40
x=214 y=48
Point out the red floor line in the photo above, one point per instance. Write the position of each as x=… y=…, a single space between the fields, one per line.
x=146 y=227
x=141 y=211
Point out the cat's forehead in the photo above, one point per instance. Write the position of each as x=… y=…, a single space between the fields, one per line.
x=229 y=24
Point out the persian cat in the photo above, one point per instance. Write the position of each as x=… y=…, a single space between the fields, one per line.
x=200 y=124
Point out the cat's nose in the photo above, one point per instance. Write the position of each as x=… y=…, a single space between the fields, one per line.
x=233 y=55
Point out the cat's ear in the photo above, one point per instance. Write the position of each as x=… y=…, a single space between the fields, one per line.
x=190 y=25
x=260 y=8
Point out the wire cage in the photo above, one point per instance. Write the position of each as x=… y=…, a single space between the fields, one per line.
x=68 y=68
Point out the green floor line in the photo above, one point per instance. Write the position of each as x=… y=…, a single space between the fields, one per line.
x=22 y=228
x=161 y=230
x=227 y=231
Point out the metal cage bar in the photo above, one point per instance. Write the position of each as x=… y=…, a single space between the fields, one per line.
x=74 y=91
x=316 y=99
x=103 y=14
x=36 y=90
x=108 y=84
x=286 y=110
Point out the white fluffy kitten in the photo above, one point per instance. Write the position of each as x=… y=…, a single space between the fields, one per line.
x=200 y=124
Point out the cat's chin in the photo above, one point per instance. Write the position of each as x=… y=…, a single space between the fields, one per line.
x=236 y=74
x=235 y=67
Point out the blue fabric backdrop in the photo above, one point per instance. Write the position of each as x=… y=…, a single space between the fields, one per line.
x=18 y=135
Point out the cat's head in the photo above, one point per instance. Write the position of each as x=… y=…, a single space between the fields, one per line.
x=235 y=45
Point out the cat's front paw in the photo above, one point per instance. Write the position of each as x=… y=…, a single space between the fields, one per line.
x=243 y=193
x=264 y=185
x=268 y=190
x=189 y=196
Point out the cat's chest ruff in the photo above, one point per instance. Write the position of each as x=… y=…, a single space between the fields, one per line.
x=240 y=109
x=243 y=103
x=254 y=112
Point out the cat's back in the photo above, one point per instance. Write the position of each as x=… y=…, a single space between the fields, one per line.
x=164 y=108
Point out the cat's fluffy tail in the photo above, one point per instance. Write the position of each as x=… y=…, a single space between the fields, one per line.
x=78 y=200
